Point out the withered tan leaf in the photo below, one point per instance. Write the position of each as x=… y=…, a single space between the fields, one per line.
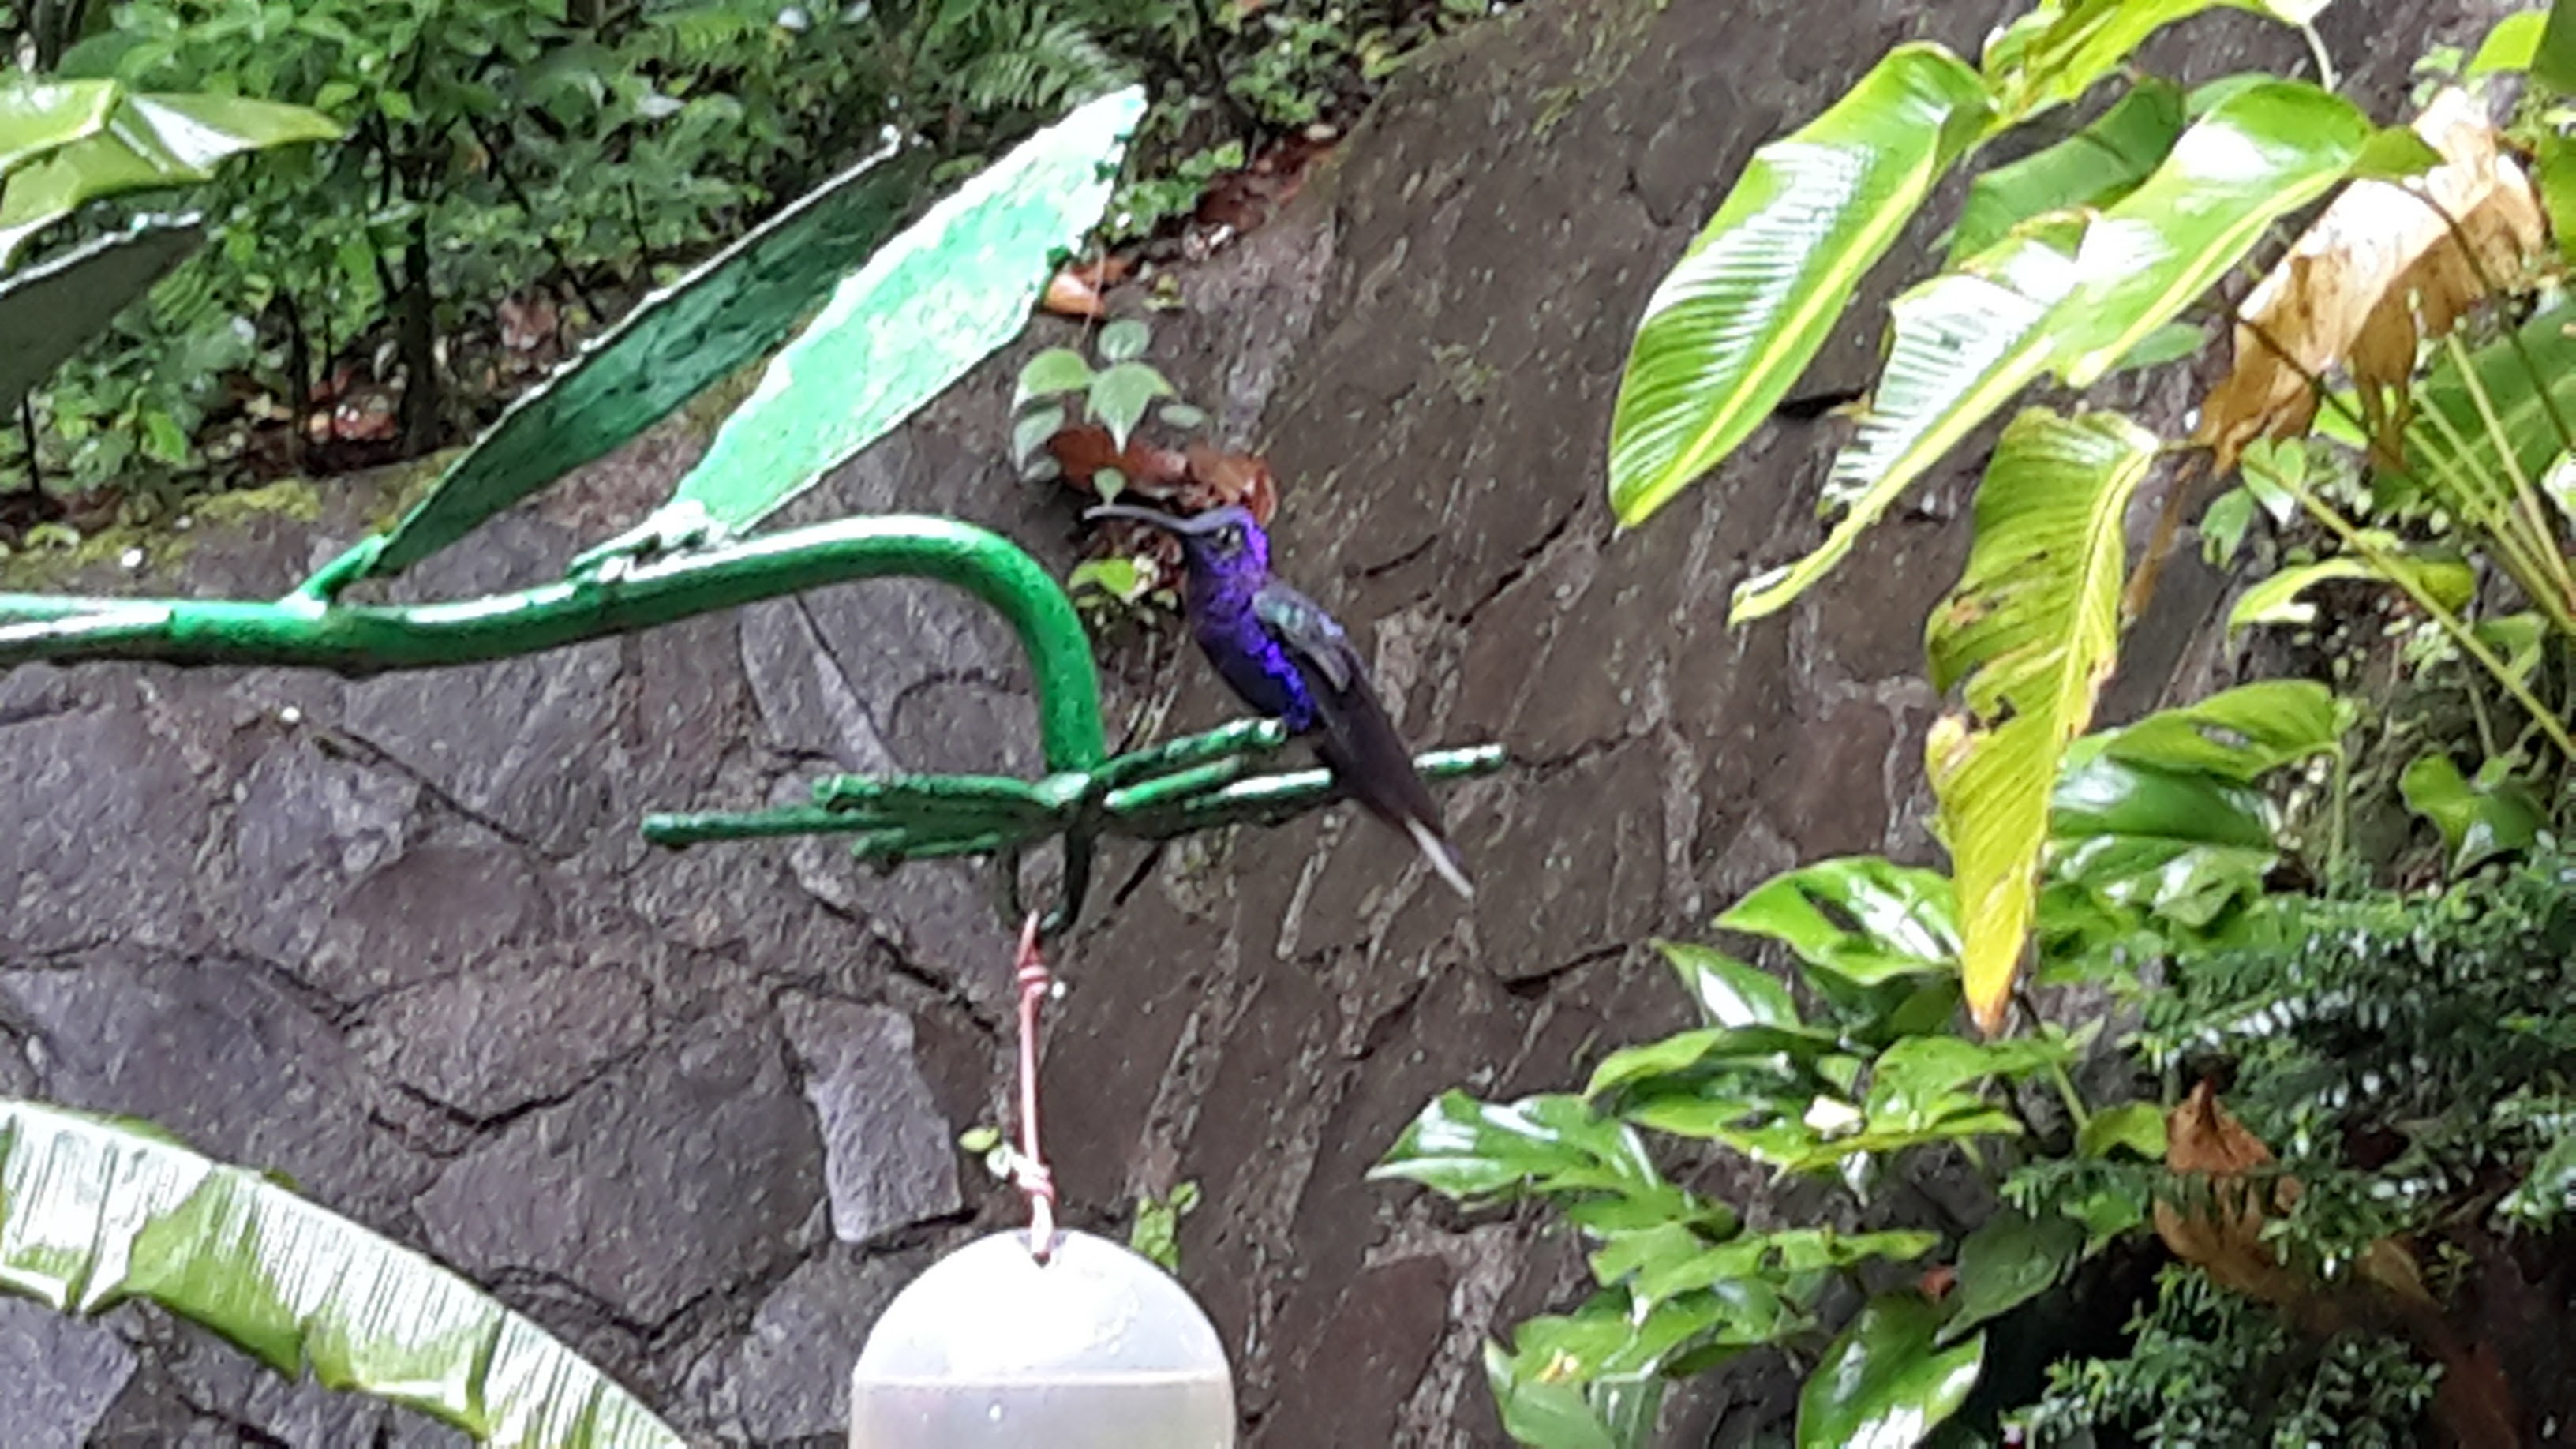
x=2376 y=275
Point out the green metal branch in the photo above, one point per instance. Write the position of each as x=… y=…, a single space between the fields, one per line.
x=302 y=631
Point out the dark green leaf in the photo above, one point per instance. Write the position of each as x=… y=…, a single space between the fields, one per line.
x=2527 y=397
x=1463 y=1148
x=1861 y=919
x=1883 y=1382
x=2238 y=734
x=2553 y=63
x=2093 y=167
x=2479 y=819
x=2006 y=1263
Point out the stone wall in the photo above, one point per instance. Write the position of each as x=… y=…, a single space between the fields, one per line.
x=695 y=1112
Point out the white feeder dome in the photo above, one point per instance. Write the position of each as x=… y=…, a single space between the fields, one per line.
x=1094 y=1349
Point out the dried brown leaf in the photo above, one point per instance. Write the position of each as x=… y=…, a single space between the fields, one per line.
x=2376 y=275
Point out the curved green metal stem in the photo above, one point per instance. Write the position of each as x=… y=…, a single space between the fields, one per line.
x=302 y=630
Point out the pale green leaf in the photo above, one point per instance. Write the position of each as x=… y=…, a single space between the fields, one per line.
x=2449 y=581
x=1758 y=290
x=95 y=1212
x=2264 y=152
x=2030 y=633
x=1058 y=369
x=2510 y=45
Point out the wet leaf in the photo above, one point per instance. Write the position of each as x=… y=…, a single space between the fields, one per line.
x=1730 y=992
x=2239 y=734
x=1463 y=1148
x=1764 y=283
x=1884 y=1382
x=2378 y=273
x=2029 y=635
x=2093 y=167
x=2007 y=1262
x=1861 y=919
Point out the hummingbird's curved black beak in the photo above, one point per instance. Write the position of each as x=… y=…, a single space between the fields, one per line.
x=1196 y=525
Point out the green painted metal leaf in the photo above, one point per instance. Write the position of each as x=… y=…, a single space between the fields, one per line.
x=1963 y=345
x=96 y=1212
x=64 y=144
x=2029 y=635
x=2008 y=1261
x=737 y=305
x=1884 y=1382
x=1762 y=285
x=48 y=311
x=2094 y=167
x=2261 y=154
x=956 y=285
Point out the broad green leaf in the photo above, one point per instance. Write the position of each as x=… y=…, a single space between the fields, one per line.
x=95 y=1212
x=2553 y=62
x=2055 y=53
x=1123 y=340
x=2239 y=734
x=2553 y=174
x=1730 y=992
x=1861 y=918
x=722 y=316
x=1962 y=345
x=2395 y=153
x=2449 y=581
x=1541 y=1412
x=2264 y=152
x=1709 y=1060
x=1121 y=395
x=1463 y=1148
x=934 y=302
x=2510 y=45
x=2180 y=845
x=1031 y=430
x=2091 y=168
x=2480 y=819
x=2007 y=1262
x=1058 y=369
x=64 y=145
x=50 y=310
x=2030 y=634
x=2137 y=1126
x=1919 y=1082
x=2529 y=381
x=1758 y=290
x=1884 y=1383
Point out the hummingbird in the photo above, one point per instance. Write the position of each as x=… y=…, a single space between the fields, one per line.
x=1285 y=657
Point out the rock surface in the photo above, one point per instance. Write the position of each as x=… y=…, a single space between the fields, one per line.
x=697 y=1113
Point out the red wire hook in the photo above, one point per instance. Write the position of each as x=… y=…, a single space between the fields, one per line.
x=1030 y=1172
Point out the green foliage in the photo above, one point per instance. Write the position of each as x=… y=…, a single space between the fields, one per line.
x=1156 y=1234
x=2212 y=1368
x=95 y=1212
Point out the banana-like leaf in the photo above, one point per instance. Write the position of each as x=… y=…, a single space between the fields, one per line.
x=95 y=1212
x=1753 y=298
x=2264 y=152
x=2030 y=633
x=2529 y=380
x=2055 y=53
x=1963 y=344
x=49 y=310
x=2094 y=167
x=64 y=144
x=938 y=299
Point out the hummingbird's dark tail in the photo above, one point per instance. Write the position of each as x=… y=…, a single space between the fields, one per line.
x=1362 y=749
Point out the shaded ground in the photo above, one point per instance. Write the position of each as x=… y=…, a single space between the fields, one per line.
x=695 y=1112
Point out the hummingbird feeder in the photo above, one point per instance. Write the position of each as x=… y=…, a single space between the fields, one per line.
x=1048 y=1337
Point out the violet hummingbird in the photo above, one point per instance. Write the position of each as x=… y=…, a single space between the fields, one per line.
x=1283 y=655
